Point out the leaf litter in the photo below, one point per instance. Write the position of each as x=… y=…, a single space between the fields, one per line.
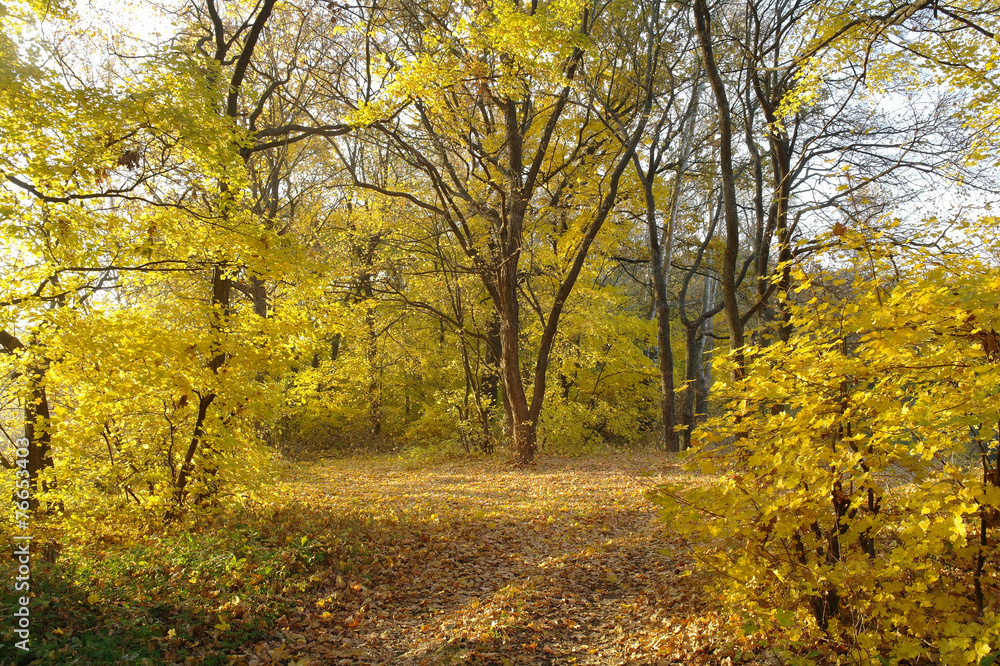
x=477 y=561
x=365 y=560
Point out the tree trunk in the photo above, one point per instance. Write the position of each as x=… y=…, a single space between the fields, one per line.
x=707 y=344
x=661 y=257
x=523 y=429
x=781 y=158
x=36 y=416
x=36 y=430
x=259 y=292
x=660 y=296
x=697 y=366
x=221 y=295
x=489 y=384
x=703 y=25
x=374 y=383
x=702 y=398
x=692 y=360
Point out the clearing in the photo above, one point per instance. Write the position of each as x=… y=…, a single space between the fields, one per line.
x=477 y=561
x=379 y=560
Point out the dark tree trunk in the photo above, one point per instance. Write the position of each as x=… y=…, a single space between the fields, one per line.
x=221 y=296
x=728 y=282
x=374 y=380
x=36 y=431
x=692 y=362
x=259 y=293
x=36 y=417
x=665 y=356
x=490 y=381
x=523 y=429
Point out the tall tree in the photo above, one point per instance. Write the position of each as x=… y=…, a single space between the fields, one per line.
x=485 y=107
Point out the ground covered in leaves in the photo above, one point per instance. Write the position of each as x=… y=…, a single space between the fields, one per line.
x=372 y=561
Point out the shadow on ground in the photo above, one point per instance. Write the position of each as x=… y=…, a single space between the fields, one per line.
x=366 y=563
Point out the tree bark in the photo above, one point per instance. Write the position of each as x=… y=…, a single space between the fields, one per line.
x=665 y=357
x=221 y=295
x=36 y=416
x=728 y=282
x=490 y=381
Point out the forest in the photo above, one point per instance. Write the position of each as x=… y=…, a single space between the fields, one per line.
x=500 y=332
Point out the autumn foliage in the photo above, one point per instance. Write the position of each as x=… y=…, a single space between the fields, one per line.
x=499 y=232
x=848 y=513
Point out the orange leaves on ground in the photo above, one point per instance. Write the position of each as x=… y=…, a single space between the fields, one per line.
x=479 y=562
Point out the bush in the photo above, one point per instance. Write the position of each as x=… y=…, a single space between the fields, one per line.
x=840 y=522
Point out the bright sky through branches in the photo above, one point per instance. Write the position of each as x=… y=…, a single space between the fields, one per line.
x=127 y=25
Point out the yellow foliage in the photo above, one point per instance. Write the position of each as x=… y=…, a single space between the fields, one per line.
x=848 y=492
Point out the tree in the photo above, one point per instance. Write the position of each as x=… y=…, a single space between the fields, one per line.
x=846 y=455
x=856 y=526
x=668 y=74
x=728 y=280
x=478 y=100
x=124 y=196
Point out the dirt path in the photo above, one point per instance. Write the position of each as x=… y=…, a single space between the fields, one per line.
x=477 y=562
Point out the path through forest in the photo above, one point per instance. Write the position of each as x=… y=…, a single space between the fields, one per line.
x=480 y=562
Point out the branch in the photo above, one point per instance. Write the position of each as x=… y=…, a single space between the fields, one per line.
x=9 y=342
x=240 y=70
x=38 y=194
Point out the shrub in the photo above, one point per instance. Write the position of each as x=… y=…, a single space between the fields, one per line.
x=847 y=520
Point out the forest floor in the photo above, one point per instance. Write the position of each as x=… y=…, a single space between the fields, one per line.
x=480 y=562
x=388 y=560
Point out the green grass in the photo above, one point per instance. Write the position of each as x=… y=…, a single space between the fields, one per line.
x=109 y=599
